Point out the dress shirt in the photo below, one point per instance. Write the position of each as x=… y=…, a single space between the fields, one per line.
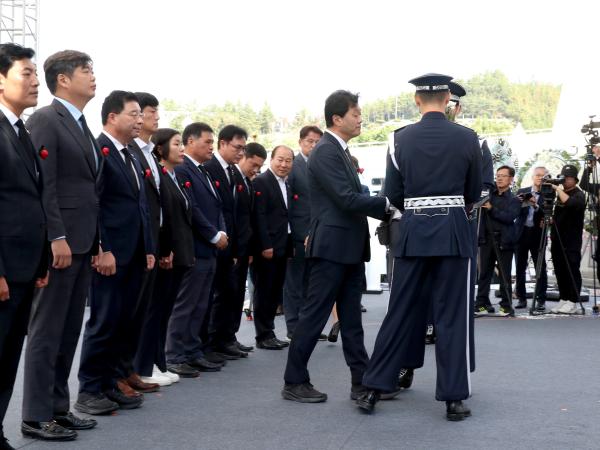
x=283 y=188
x=12 y=118
x=120 y=147
x=147 y=148
x=225 y=166
x=529 y=222
x=174 y=178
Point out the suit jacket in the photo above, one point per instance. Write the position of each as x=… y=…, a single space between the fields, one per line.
x=300 y=205
x=71 y=177
x=271 y=215
x=124 y=218
x=243 y=212
x=339 y=231
x=207 y=218
x=177 y=221
x=23 y=238
x=538 y=215
x=226 y=192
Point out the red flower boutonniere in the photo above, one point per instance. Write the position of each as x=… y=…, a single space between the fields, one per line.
x=164 y=170
x=105 y=151
x=217 y=184
x=43 y=152
x=240 y=188
x=187 y=185
x=147 y=173
x=360 y=170
x=296 y=197
x=258 y=193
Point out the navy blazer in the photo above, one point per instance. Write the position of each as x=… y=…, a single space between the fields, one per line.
x=176 y=231
x=243 y=212
x=23 y=241
x=338 y=231
x=124 y=217
x=71 y=177
x=300 y=206
x=207 y=217
x=434 y=157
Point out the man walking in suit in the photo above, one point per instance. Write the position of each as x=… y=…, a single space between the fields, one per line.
x=184 y=350
x=126 y=250
x=296 y=276
x=23 y=249
x=273 y=244
x=221 y=328
x=71 y=177
x=338 y=246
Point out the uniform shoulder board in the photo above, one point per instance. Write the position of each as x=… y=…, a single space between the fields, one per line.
x=466 y=127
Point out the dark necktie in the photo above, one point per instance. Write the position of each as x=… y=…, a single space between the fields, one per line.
x=129 y=164
x=88 y=134
x=231 y=179
x=28 y=149
x=208 y=178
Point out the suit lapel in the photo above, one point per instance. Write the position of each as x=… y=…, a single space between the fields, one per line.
x=347 y=163
x=200 y=176
x=139 y=154
x=275 y=186
x=118 y=160
x=7 y=128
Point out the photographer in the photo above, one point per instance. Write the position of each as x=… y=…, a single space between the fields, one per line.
x=530 y=224
x=567 y=239
x=497 y=238
x=590 y=182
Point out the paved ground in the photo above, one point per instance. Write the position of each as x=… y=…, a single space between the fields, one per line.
x=536 y=387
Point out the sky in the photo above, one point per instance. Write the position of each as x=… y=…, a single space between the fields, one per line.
x=292 y=54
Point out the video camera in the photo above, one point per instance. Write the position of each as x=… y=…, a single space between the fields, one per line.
x=548 y=194
x=591 y=131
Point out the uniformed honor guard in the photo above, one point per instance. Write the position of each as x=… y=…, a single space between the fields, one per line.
x=437 y=176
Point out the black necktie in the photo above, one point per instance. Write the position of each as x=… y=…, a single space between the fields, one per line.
x=129 y=163
x=208 y=178
x=28 y=149
x=88 y=134
x=231 y=179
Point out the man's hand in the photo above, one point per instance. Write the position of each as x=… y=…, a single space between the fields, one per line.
x=107 y=265
x=42 y=282
x=4 y=293
x=487 y=205
x=61 y=253
x=268 y=253
x=150 y=260
x=533 y=202
x=166 y=262
x=222 y=243
x=306 y=242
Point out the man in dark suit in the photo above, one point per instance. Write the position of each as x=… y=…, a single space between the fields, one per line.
x=185 y=350
x=71 y=180
x=23 y=257
x=273 y=244
x=296 y=276
x=126 y=251
x=246 y=170
x=337 y=246
x=221 y=327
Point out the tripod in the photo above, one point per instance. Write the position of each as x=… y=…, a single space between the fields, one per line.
x=592 y=200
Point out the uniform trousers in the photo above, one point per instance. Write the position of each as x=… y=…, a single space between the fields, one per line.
x=445 y=280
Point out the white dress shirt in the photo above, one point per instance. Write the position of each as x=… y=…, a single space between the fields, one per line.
x=119 y=146
x=11 y=116
x=283 y=188
x=147 y=148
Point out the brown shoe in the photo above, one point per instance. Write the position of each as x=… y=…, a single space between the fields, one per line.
x=127 y=390
x=136 y=383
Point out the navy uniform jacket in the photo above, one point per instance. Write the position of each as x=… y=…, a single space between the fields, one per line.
x=338 y=231
x=434 y=157
x=300 y=206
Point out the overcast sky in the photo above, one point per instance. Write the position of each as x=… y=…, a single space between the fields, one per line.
x=292 y=54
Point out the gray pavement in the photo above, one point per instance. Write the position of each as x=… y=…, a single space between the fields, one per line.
x=536 y=387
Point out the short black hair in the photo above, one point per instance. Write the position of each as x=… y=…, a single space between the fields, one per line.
x=145 y=99
x=255 y=149
x=115 y=103
x=511 y=170
x=229 y=132
x=310 y=129
x=432 y=97
x=277 y=147
x=65 y=62
x=338 y=104
x=195 y=130
x=161 y=139
x=9 y=53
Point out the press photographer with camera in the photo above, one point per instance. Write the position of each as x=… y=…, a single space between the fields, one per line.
x=498 y=235
x=567 y=238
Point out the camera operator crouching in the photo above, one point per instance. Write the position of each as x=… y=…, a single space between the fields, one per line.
x=498 y=235
x=567 y=237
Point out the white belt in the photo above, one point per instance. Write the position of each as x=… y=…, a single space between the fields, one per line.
x=444 y=201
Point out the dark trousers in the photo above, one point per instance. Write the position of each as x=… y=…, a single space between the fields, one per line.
x=268 y=279
x=446 y=282
x=14 y=316
x=566 y=289
x=54 y=328
x=487 y=262
x=151 y=345
x=113 y=301
x=295 y=287
x=529 y=243
x=189 y=311
x=223 y=299
x=330 y=283
x=240 y=273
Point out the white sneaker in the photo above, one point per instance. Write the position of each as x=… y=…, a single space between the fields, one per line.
x=557 y=307
x=158 y=379
x=170 y=375
x=568 y=308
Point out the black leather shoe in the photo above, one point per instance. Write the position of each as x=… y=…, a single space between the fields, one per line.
x=456 y=411
x=72 y=422
x=540 y=306
x=367 y=401
x=4 y=445
x=303 y=393
x=122 y=400
x=243 y=348
x=406 y=378
x=357 y=391
x=95 y=404
x=203 y=365
x=231 y=350
x=283 y=344
x=47 y=431
x=214 y=357
x=335 y=331
x=183 y=370
x=521 y=304
x=322 y=337
x=270 y=344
